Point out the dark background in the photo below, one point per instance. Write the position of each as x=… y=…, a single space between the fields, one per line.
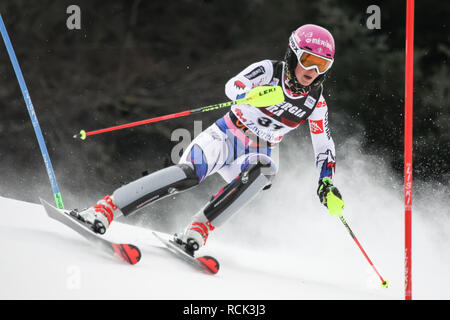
x=134 y=60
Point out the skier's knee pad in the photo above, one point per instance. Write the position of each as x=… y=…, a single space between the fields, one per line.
x=258 y=173
x=157 y=185
x=262 y=163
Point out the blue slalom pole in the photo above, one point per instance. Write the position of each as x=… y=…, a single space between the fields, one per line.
x=33 y=117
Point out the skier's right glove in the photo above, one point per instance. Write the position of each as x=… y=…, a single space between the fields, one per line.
x=330 y=196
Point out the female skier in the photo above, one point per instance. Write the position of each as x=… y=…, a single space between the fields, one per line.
x=238 y=146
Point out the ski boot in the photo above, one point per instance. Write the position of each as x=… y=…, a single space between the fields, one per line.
x=98 y=217
x=194 y=237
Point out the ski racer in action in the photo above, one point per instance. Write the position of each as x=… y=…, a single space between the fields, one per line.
x=238 y=146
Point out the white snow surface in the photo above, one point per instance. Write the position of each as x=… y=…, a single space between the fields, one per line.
x=283 y=246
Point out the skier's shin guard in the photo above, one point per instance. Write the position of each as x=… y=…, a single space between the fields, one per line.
x=230 y=199
x=157 y=185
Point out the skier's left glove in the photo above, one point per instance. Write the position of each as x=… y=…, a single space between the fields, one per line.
x=330 y=196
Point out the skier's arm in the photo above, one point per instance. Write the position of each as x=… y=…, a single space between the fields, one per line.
x=324 y=150
x=256 y=74
x=322 y=141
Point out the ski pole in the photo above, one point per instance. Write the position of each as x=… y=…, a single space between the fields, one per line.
x=32 y=113
x=261 y=96
x=384 y=283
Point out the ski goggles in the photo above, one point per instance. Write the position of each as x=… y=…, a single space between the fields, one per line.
x=309 y=60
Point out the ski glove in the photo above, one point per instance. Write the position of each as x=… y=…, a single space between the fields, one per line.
x=330 y=196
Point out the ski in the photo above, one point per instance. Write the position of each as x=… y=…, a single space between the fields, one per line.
x=207 y=264
x=128 y=252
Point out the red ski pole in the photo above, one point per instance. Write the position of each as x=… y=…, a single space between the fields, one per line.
x=261 y=96
x=384 y=283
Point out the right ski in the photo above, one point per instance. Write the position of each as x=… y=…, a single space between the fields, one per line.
x=207 y=264
x=128 y=252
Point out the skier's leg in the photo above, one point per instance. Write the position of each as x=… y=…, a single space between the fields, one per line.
x=155 y=186
x=257 y=172
x=200 y=159
x=207 y=153
x=137 y=194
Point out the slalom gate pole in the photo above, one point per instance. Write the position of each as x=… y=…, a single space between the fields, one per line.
x=408 y=144
x=32 y=113
x=384 y=283
x=261 y=96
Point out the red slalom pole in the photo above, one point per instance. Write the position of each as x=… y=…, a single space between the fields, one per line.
x=408 y=144
x=384 y=283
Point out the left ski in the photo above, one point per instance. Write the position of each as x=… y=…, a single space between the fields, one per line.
x=128 y=252
x=207 y=264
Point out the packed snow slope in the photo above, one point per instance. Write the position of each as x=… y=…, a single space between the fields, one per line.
x=282 y=246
